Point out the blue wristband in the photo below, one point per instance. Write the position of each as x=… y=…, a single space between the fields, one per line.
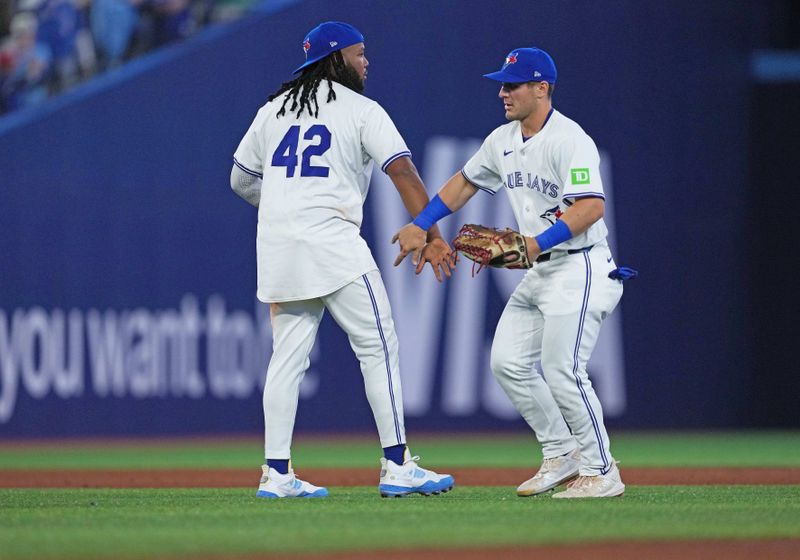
x=432 y=213
x=552 y=236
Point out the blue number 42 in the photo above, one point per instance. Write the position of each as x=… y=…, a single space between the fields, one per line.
x=286 y=153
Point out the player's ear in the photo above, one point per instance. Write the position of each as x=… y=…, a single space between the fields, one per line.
x=541 y=88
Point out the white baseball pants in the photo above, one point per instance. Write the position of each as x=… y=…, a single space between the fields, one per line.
x=362 y=309
x=554 y=317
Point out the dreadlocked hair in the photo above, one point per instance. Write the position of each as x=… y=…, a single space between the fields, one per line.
x=303 y=89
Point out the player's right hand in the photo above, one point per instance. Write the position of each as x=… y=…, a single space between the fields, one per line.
x=412 y=239
x=441 y=257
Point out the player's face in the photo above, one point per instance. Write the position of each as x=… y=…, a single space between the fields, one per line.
x=522 y=99
x=355 y=58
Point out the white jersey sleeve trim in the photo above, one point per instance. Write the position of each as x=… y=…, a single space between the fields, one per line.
x=246 y=170
x=587 y=194
x=476 y=185
x=394 y=157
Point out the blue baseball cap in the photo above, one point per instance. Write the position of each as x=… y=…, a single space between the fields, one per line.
x=326 y=38
x=526 y=65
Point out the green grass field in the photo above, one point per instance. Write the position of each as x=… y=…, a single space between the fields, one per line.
x=93 y=523
x=730 y=449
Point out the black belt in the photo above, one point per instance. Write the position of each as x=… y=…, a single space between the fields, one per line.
x=544 y=257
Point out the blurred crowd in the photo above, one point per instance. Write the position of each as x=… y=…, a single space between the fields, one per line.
x=47 y=46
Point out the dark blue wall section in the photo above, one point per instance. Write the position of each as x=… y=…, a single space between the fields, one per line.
x=114 y=200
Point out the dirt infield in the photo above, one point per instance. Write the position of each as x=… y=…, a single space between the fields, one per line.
x=233 y=478
x=785 y=549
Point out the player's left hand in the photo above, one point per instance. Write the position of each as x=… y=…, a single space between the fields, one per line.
x=441 y=257
x=412 y=239
x=489 y=246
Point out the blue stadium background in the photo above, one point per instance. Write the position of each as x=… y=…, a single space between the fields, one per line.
x=115 y=196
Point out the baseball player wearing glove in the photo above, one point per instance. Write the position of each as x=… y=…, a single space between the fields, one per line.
x=550 y=169
x=487 y=246
x=305 y=162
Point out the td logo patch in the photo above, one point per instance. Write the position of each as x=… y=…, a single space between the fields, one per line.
x=580 y=176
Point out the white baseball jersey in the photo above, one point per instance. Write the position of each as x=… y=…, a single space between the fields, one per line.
x=315 y=173
x=543 y=175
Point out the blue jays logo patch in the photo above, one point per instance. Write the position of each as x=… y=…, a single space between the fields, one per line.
x=552 y=214
x=511 y=59
x=306 y=47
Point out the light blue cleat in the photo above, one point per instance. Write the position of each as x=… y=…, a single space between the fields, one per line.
x=276 y=485
x=409 y=478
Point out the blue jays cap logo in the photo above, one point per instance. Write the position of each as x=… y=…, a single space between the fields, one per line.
x=306 y=47
x=524 y=65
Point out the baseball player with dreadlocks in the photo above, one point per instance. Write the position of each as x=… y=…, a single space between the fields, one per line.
x=549 y=167
x=305 y=162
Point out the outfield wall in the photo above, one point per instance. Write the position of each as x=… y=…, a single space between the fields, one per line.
x=127 y=270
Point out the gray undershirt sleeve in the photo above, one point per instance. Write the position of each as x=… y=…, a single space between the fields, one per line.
x=246 y=186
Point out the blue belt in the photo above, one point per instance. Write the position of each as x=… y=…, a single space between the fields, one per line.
x=544 y=257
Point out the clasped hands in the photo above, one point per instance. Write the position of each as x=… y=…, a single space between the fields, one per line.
x=414 y=240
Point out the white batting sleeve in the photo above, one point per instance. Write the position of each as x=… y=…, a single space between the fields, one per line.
x=579 y=168
x=380 y=137
x=482 y=170
x=246 y=185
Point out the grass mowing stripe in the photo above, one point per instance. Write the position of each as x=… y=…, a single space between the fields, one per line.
x=745 y=449
x=735 y=449
x=142 y=523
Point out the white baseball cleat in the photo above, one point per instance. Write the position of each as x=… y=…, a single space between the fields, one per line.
x=554 y=472
x=597 y=486
x=409 y=478
x=276 y=485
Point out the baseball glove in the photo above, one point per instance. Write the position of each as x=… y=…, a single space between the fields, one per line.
x=486 y=246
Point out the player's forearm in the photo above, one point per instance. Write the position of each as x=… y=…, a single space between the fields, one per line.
x=246 y=186
x=456 y=192
x=577 y=219
x=415 y=199
x=583 y=213
x=406 y=179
